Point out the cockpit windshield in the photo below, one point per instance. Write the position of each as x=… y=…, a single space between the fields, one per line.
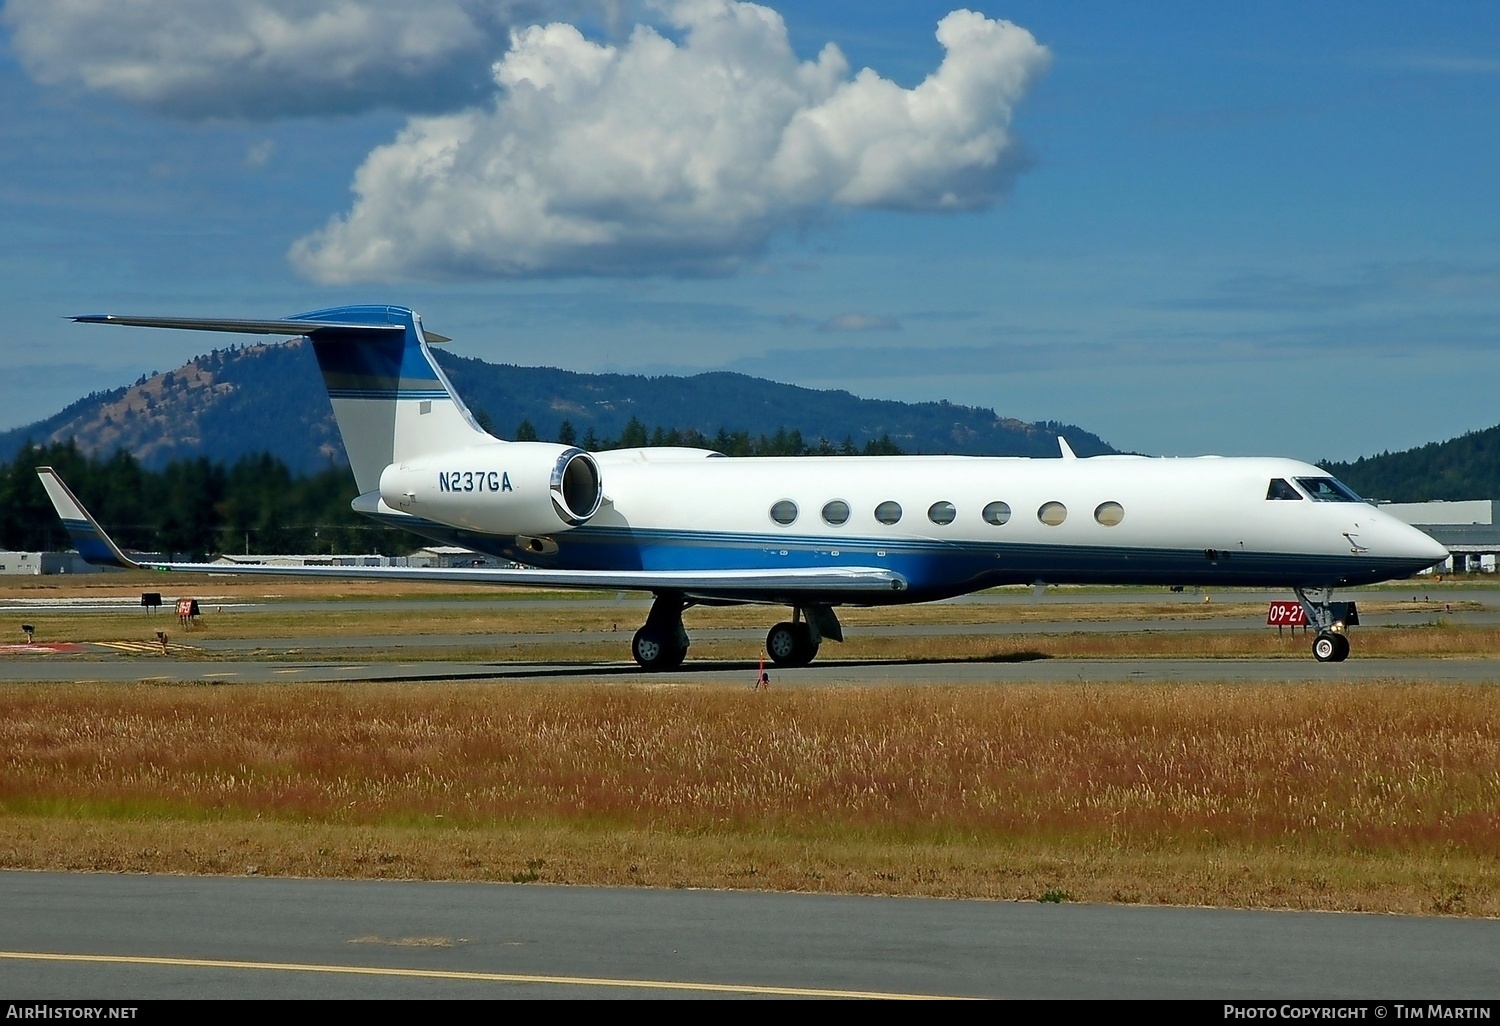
x=1327 y=489
x=1281 y=490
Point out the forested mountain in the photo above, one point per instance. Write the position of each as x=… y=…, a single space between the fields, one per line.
x=269 y=398
x=227 y=404
x=1467 y=467
x=707 y=403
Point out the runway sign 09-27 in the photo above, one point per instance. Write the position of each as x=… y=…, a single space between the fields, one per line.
x=1286 y=614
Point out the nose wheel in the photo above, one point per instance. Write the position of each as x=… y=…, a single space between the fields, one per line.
x=1329 y=647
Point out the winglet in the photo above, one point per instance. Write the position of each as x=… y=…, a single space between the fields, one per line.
x=93 y=544
x=1067 y=450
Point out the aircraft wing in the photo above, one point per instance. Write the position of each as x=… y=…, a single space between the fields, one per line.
x=99 y=549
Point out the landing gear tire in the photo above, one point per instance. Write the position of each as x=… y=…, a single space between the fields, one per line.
x=791 y=644
x=653 y=653
x=1330 y=648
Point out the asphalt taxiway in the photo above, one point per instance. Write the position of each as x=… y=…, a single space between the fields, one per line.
x=142 y=937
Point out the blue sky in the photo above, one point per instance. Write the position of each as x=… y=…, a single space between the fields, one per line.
x=1233 y=228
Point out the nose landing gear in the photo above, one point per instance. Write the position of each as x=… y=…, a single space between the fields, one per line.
x=1332 y=620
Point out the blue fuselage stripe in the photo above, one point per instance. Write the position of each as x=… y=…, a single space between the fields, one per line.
x=932 y=569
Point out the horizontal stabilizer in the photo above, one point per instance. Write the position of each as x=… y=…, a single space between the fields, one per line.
x=290 y=326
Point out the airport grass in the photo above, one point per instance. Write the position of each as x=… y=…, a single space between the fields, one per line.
x=1378 y=796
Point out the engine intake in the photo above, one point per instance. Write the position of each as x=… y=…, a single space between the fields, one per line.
x=576 y=489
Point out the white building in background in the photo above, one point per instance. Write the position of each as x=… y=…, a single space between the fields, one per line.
x=453 y=555
x=433 y=556
x=36 y=563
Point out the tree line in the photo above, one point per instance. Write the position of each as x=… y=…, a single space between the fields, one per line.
x=193 y=508
x=1467 y=467
x=198 y=508
x=636 y=435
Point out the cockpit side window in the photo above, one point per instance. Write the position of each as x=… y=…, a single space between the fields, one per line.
x=1281 y=490
x=1327 y=489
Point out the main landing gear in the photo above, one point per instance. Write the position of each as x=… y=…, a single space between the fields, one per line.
x=796 y=643
x=1331 y=620
x=662 y=643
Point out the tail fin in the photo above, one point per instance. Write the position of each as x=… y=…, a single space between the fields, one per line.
x=89 y=538
x=390 y=398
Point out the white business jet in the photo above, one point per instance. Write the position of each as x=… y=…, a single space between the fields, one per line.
x=812 y=533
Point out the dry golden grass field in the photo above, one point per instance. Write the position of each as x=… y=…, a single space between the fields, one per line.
x=1380 y=796
x=1375 y=797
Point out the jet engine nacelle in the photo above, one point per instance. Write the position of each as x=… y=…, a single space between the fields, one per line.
x=524 y=488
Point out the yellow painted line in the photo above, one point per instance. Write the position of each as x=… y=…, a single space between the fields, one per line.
x=147 y=647
x=444 y=974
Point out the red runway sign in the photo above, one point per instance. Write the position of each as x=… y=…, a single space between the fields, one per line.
x=1286 y=614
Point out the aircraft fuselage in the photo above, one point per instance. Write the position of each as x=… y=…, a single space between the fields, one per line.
x=951 y=524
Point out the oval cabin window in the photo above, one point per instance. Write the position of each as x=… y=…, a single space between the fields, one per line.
x=836 y=513
x=1109 y=513
x=1052 y=513
x=941 y=513
x=997 y=513
x=888 y=512
x=784 y=512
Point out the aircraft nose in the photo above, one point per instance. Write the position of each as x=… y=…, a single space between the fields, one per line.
x=1420 y=547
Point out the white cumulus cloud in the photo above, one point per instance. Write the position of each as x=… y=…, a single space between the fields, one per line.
x=268 y=58
x=661 y=155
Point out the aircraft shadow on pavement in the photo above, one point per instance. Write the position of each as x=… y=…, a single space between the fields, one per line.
x=512 y=672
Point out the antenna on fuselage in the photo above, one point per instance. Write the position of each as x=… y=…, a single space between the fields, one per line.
x=1067 y=450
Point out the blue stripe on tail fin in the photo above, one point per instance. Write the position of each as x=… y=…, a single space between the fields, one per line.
x=390 y=398
x=362 y=363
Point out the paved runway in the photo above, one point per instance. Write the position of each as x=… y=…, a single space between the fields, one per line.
x=245 y=660
x=124 y=937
